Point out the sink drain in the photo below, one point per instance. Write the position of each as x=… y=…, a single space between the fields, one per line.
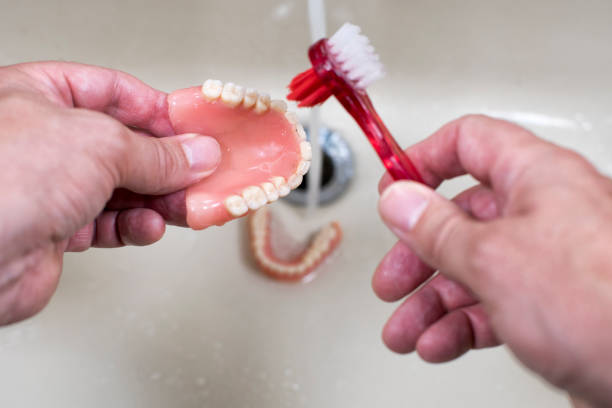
x=336 y=169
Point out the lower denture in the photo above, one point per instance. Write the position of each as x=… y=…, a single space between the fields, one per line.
x=264 y=151
x=322 y=245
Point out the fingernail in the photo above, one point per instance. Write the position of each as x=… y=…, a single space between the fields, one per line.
x=203 y=153
x=402 y=204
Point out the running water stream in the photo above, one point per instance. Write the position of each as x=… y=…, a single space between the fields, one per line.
x=316 y=20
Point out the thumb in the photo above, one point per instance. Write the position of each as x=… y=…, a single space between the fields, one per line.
x=439 y=232
x=163 y=165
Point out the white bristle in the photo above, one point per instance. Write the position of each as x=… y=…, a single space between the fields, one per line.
x=356 y=56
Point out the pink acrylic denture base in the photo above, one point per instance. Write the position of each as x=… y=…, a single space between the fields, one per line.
x=254 y=146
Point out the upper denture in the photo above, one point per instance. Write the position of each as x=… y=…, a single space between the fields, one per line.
x=264 y=152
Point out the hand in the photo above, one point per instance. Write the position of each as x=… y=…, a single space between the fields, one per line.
x=82 y=165
x=524 y=258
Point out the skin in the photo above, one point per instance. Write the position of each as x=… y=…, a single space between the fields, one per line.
x=89 y=160
x=523 y=257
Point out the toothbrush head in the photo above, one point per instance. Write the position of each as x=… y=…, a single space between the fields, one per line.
x=346 y=62
x=355 y=56
x=344 y=66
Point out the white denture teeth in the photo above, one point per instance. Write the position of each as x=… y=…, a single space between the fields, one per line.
x=236 y=205
x=294 y=181
x=250 y=98
x=267 y=263
x=259 y=231
x=300 y=132
x=329 y=234
x=292 y=118
x=212 y=89
x=270 y=191
x=318 y=249
x=232 y=94
x=303 y=167
x=321 y=243
x=255 y=197
x=281 y=186
x=263 y=103
x=292 y=270
x=260 y=242
x=309 y=263
x=278 y=105
x=306 y=150
x=259 y=235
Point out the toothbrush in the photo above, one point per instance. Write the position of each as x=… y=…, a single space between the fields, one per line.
x=344 y=66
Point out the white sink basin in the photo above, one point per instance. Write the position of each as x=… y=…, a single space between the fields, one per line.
x=189 y=322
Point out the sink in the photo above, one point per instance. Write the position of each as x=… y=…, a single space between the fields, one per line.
x=189 y=322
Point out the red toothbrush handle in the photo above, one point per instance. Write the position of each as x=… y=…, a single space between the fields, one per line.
x=360 y=107
x=329 y=80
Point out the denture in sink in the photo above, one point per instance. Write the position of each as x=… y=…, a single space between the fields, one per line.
x=264 y=149
x=302 y=263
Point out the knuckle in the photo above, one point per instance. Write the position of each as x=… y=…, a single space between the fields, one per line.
x=476 y=124
x=574 y=159
x=472 y=120
x=165 y=163
x=169 y=158
x=549 y=164
x=472 y=125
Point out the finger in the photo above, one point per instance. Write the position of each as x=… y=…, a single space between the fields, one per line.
x=139 y=227
x=480 y=202
x=421 y=310
x=440 y=233
x=27 y=284
x=401 y=271
x=456 y=333
x=116 y=93
x=451 y=294
x=112 y=229
x=106 y=234
x=81 y=240
x=410 y=320
x=172 y=207
x=384 y=182
x=494 y=151
x=154 y=166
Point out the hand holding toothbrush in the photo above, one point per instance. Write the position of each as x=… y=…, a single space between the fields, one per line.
x=524 y=257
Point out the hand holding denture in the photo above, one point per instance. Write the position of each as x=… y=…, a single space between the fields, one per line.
x=96 y=163
x=74 y=135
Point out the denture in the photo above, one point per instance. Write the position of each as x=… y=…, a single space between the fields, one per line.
x=324 y=242
x=264 y=149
